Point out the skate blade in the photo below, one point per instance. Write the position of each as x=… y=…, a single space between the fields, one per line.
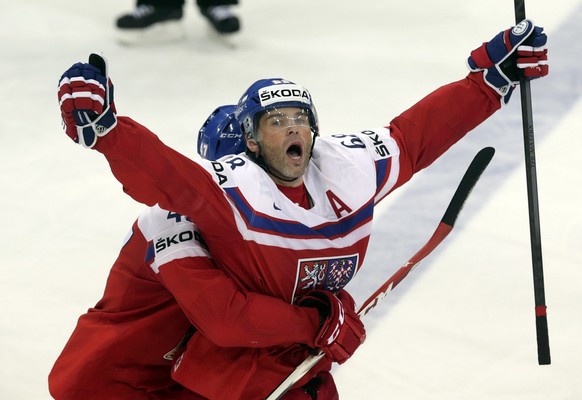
x=160 y=33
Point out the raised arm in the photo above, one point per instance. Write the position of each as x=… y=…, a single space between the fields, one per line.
x=150 y=171
x=431 y=126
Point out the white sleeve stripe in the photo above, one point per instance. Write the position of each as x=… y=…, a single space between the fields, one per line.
x=68 y=81
x=184 y=252
x=79 y=95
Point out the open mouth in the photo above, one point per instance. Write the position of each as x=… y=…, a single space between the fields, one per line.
x=295 y=151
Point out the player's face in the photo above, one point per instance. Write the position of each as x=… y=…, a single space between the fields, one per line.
x=285 y=141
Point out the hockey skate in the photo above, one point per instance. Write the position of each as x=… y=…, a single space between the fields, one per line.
x=222 y=25
x=222 y=19
x=150 y=25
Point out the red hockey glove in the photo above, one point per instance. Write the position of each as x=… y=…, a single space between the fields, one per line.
x=86 y=101
x=521 y=48
x=342 y=331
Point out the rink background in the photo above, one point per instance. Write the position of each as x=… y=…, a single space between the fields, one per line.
x=461 y=326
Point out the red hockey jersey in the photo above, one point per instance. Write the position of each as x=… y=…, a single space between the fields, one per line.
x=267 y=244
x=163 y=282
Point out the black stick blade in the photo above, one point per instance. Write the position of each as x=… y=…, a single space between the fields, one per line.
x=472 y=175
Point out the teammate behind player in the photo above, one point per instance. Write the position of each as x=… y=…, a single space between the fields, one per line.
x=164 y=281
x=291 y=216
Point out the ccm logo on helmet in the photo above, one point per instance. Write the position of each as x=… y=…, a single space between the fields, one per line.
x=283 y=93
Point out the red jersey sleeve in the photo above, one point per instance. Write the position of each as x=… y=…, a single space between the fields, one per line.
x=430 y=127
x=230 y=317
x=152 y=172
x=221 y=308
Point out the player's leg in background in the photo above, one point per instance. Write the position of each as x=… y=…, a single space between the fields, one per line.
x=152 y=21
x=220 y=15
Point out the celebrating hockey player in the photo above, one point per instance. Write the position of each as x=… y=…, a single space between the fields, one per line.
x=158 y=287
x=293 y=213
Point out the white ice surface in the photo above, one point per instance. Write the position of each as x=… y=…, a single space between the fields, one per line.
x=460 y=327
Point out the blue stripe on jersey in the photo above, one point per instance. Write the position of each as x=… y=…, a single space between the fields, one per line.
x=264 y=223
x=150 y=253
x=381 y=173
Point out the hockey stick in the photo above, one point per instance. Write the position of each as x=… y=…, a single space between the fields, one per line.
x=543 y=341
x=445 y=226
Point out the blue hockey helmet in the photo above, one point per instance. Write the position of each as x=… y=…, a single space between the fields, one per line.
x=220 y=134
x=267 y=94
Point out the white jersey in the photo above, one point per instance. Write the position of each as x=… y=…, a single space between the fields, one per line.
x=341 y=212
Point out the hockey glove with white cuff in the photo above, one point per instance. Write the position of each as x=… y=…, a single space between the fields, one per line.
x=86 y=101
x=520 y=49
x=342 y=331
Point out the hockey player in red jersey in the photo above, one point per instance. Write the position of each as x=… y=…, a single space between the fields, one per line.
x=292 y=214
x=163 y=281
